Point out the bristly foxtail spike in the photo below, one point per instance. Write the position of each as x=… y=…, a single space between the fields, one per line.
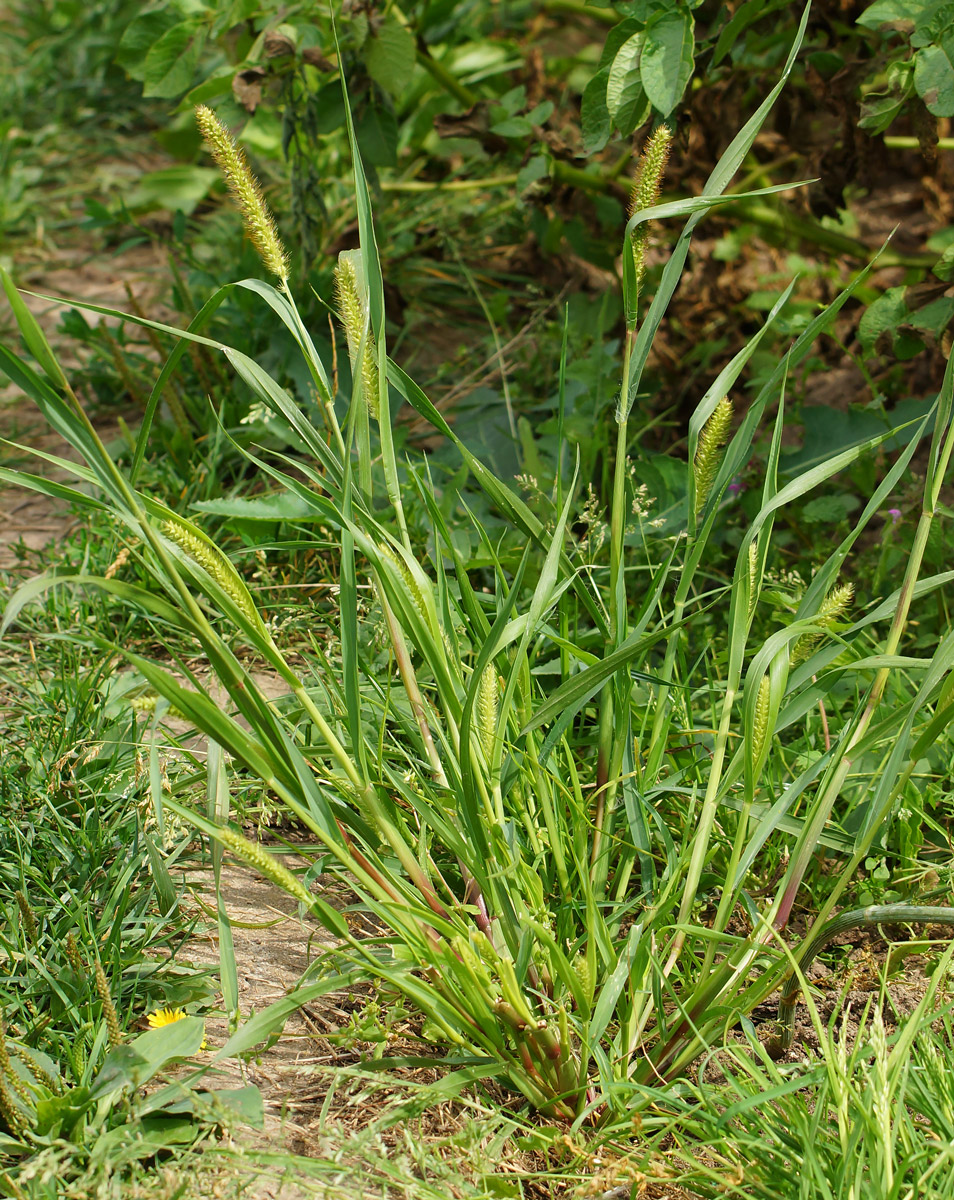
x=705 y=465
x=833 y=608
x=645 y=193
x=259 y=222
x=353 y=312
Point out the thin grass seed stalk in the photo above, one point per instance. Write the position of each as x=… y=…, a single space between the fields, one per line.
x=7 y=1074
x=705 y=465
x=39 y=1073
x=259 y=223
x=353 y=312
x=15 y=1120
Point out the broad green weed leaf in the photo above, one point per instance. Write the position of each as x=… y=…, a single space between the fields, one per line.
x=169 y=66
x=377 y=134
x=667 y=59
x=142 y=33
x=626 y=101
x=594 y=114
x=389 y=55
x=934 y=80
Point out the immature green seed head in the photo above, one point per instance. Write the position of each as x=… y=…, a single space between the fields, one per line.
x=353 y=312
x=259 y=223
x=410 y=579
x=833 y=608
x=10 y=1083
x=109 y=1008
x=215 y=564
x=487 y=710
x=761 y=718
x=584 y=975
x=753 y=574
x=27 y=917
x=73 y=955
x=705 y=465
x=258 y=857
x=645 y=192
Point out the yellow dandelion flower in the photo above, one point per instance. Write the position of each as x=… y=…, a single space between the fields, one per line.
x=169 y=1016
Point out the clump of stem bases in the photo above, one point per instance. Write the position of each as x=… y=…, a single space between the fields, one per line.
x=353 y=313
x=713 y=437
x=645 y=193
x=231 y=161
x=833 y=608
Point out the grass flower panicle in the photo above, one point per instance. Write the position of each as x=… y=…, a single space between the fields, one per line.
x=231 y=161
x=353 y=313
x=258 y=857
x=109 y=1008
x=645 y=193
x=215 y=564
x=27 y=917
x=705 y=465
x=833 y=609
x=487 y=710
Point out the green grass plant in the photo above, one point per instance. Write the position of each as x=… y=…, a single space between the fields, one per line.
x=868 y=1114
x=92 y=927
x=509 y=793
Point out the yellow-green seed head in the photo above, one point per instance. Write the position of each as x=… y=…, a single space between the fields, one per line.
x=833 y=608
x=413 y=583
x=231 y=161
x=258 y=857
x=581 y=969
x=487 y=710
x=109 y=1008
x=353 y=313
x=27 y=917
x=761 y=718
x=753 y=575
x=645 y=192
x=211 y=559
x=836 y=603
x=73 y=955
x=705 y=465
x=146 y=702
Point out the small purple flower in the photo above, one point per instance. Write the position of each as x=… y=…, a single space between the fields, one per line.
x=734 y=487
x=895 y=515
